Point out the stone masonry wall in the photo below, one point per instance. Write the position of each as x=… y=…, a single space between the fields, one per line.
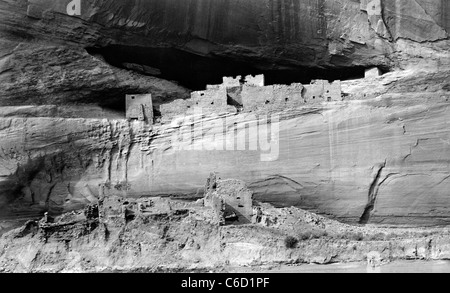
x=271 y=97
x=321 y=90
x=213 y=100
x=250 y=94
x=231 y=200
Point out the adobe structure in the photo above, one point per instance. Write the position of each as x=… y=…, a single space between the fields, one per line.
x=212 y=100
x=250 y=93
x=271 y=97
x=372 y=72
x=139 y=107
x=225 y=202
x=322 y=90
x=230 y=199
x=118 y=210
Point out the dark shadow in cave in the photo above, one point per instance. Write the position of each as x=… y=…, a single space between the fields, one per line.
x=195 y=72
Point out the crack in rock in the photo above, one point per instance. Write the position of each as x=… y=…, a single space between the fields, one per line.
x=373 y=191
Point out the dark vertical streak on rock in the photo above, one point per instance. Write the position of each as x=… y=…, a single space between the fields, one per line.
x=190 y=17
x=280 y=22
x=383 y=17
x=321 y=33
x=129 y=149
x=373 y=191
x=446 y=15
x=272 y=32
x=47 y=198
x=287 y=20
x=296 y=12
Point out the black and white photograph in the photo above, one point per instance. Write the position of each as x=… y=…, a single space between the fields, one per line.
x=224 y=142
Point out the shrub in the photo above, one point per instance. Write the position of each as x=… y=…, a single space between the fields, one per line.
x=318 y=234
x=344 y=236
x=314 y=234
x=305 y=235
x=358 y=236
x=377 y=237
x=426 y=234
x=351 y=236
x=290 y=242
x=391 y=236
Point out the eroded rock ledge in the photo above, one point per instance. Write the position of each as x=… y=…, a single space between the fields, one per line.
x=158 y=235
x=220 y=38
x=377 y=156
x=382 y=149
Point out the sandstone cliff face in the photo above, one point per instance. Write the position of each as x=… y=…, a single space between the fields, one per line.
x=378 y=156
x=59 y=75
x=382 y=158
x=267 y=34
x=419 y=20
x=255 y=35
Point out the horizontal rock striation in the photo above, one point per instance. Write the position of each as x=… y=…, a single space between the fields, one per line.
x=227 y=35
x=382 y=158
x=379 y=155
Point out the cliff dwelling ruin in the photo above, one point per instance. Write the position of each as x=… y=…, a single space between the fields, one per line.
x=139 y=107
x=230 y=199
x=327 y=120
x=250 y=93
